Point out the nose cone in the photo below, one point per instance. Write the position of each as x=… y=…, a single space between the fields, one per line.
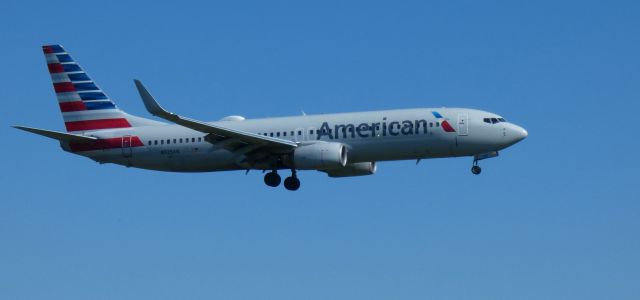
x=517 y=133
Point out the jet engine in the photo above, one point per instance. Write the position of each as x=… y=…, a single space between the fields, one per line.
x=319 y=156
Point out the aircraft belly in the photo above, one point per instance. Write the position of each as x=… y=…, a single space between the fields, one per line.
x=393 y=149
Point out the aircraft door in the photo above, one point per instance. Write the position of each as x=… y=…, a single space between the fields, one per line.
x=463 y=124
x=126 y=146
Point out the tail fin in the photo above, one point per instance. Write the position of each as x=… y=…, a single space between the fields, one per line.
x=84 y=106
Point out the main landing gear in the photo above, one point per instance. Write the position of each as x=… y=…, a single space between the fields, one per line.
x=272 y=179
x=291 y=183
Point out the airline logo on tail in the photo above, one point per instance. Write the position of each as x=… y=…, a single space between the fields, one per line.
x=83 y=104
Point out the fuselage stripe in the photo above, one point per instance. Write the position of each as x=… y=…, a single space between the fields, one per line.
x=102 y=144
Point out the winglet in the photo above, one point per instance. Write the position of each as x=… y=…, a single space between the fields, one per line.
x=149 y=102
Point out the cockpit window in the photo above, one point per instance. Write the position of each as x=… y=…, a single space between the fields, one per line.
x=493 y=120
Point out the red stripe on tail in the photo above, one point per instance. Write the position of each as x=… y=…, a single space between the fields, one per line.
x=55 y=68
x=72 y=106
x=97 y=124
x=64 y=87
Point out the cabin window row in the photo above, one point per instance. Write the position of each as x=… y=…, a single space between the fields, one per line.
x=283 y=133
x=318 y=131
x=174 y=141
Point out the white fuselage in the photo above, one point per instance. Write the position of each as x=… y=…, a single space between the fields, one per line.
x=369 y=136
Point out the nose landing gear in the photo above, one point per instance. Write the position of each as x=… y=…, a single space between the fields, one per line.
x=476 y=169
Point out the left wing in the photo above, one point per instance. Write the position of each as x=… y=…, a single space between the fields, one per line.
x=238 y=141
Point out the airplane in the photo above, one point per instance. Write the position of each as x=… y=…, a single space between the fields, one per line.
x=340 y=145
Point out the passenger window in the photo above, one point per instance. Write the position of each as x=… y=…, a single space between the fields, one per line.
x=430 y=124
x=193 y=140
x=299 y=132
x=278 y=133
x=149 y=143
x=311 y=131
x=168 y=142
x=174 y=141
x=437 y=124
x=284 y=133
x=161 y=142
x=199 y=139
x=155 y=142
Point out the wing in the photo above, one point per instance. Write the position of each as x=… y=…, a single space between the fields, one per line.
x=237 y=141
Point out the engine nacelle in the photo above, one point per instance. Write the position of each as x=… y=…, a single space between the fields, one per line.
x=319 y=156
x=354 y=169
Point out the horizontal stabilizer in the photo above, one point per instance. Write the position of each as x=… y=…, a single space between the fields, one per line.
x=56 y=135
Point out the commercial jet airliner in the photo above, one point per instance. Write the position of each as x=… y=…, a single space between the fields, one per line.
x=341 y=145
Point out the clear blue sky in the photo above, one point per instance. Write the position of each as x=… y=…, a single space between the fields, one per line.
x=555 y=217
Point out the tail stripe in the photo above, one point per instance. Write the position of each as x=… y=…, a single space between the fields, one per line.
x=72 y=106
x=64 y=87
x=96 y=105
x=85 y=86
x=97 y=124
x=79 y=77
x=93 y=96
x=52 y=49
x=55 y=68
x=63 y=58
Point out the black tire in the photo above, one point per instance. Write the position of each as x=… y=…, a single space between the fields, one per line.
x=476 y=170
x=272 y=179
x=292 y=183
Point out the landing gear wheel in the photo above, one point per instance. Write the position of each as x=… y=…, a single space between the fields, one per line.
x=272 y=179
x=476 y=170
x=292 y=183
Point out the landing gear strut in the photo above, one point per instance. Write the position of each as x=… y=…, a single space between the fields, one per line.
x=272 y=179
x=476 y=169
x=292 y=182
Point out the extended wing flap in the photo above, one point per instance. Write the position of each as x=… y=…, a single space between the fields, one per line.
x=56 y=135
x=155 y=109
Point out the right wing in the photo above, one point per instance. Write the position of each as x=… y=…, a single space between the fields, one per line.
x=237 y=141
